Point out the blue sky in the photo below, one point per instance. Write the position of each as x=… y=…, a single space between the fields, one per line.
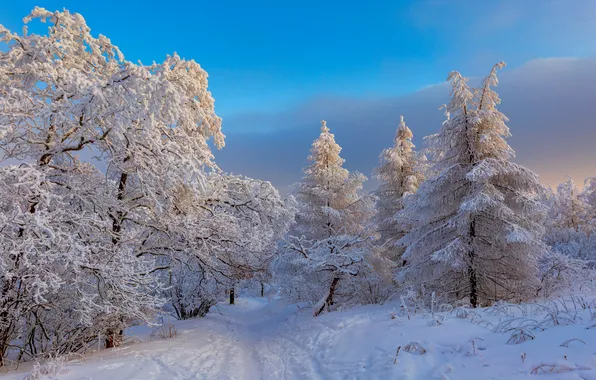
x=278 y=67
x=265 y=56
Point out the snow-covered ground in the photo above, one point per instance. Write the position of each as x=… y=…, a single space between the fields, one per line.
x=268 y=339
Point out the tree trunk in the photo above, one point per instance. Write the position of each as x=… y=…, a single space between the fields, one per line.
x=117 y=219
x=329 y=301
x=11 y=301
x=204 y=307
x=232 y=295
x=332 y=292
x=473 y=281
x=472 y=276
x=113 y=339
x=262 y=290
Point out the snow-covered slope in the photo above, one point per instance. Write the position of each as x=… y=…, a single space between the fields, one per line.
x=262 y=339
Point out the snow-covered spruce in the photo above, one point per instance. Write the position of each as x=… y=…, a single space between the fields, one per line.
x=400 y=172
x=478 y=229
x=328 y=245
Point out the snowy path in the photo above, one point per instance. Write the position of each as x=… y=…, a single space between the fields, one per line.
x=233 y=342
x=257 y=339
x=242 y=342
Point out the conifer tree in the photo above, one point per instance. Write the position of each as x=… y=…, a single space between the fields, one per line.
x=478 y=230
x=400 y=175
x=329 y=196
x=328 y=244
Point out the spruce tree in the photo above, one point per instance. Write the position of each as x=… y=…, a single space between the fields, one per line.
x=478 y=230
x=330 y=241
x=400 y=174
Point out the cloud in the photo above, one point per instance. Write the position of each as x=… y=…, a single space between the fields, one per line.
x=550 y=104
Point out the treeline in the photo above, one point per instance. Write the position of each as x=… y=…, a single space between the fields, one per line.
x=457 y=222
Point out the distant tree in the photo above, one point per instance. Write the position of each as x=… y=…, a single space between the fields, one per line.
x=228 y=232
x=478 y=226
x=569 y=207
x=329 y=196
x=570 y=224
x=400 y=174
x=327 y=243
x=589 y=198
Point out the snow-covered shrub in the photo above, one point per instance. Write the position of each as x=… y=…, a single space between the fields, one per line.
x=520 y=335
x=550 y=368
x=560 y=274
x=165 y=331
x=576 y=244
x=375 y=283
x=50 y=369
x=414 y=348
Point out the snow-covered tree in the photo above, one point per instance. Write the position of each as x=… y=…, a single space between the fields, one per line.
x=400 y=174
x=61 y=283
x=478 y=230
x=569 y=207
x=329 y=196
x=70 y=106
x=228 y=232
x=589 y=199
x=570 y=226
x=329 y=239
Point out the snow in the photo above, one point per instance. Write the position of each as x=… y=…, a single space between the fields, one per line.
x=261 y=338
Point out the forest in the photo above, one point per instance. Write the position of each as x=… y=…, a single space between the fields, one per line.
x=113 y=210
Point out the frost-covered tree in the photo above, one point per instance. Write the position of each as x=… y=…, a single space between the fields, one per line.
x=589 y=198
x=61 y=94
x=569 y=208
x=66 y=97
x=570 y=227
x=228 y=233
x=329 y=196
x=478 y=230
x=329 y=239
x=400 y=174
x=61 y=282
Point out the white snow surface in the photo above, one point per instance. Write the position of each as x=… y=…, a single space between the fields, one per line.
x=261 y=338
